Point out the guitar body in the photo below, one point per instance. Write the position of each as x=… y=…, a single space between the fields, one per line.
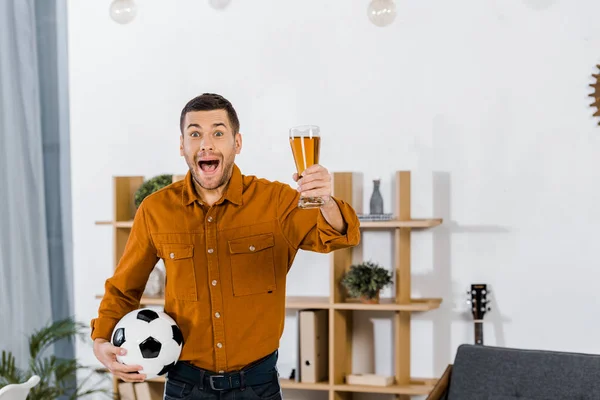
x=479 y=306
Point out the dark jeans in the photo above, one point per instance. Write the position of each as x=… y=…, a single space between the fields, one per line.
x=259 y=381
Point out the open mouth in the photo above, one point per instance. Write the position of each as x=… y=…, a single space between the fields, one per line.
x=208 y=166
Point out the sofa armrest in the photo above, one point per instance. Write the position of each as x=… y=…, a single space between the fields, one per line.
x=440 y=390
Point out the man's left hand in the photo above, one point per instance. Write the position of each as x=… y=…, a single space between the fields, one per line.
x=315 y=182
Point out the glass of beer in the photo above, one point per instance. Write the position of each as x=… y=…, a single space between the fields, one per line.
x=306 y=143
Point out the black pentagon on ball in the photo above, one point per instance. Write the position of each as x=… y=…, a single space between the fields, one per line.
x=177 y=335
x=166 y=368
x=147 y=315
x=150 y=348
x=119 y=337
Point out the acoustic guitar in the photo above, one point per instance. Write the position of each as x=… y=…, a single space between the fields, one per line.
x=479 y=302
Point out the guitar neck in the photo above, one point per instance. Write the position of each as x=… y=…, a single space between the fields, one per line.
x=478 y=332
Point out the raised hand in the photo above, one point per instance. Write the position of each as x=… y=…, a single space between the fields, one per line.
x=314 y=182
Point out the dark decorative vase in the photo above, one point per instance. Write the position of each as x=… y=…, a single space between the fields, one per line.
x=376 y=199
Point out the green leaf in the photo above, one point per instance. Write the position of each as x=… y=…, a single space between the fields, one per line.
x=366 y=279
x=58 y=376
x=150 y=186
x=40 y=340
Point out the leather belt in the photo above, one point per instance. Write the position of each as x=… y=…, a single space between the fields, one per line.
x=258 y=373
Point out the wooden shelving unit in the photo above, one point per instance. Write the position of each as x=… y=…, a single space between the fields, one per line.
x=347 y=186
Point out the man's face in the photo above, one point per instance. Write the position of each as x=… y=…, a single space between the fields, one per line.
x=209 y=147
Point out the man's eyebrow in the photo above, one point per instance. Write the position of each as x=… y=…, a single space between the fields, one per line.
x=199 y=127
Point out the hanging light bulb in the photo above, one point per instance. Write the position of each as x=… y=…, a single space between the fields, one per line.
x=219 y=4
x=382 y=12
x=123 y=11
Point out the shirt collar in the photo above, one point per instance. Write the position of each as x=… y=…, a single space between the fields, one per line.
x=233 y=193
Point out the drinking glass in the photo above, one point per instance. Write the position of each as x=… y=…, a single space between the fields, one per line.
x=305 y=141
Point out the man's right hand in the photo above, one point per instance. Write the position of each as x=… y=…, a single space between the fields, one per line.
x=106 y=353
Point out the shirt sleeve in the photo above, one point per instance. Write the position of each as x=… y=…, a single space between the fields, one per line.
x=307 y=229
x=124 y=289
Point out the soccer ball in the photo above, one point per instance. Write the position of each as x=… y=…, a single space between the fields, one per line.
x=152 y=339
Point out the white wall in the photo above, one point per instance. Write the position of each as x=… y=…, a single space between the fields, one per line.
x=485 y=101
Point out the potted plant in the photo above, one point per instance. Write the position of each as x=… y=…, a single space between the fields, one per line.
x=156 y=280
x=365 y=281
x=58 y=376
x=150 y=186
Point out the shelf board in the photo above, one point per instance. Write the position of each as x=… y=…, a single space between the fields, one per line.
x=413 y=389
x=116 y=224
x=425 y=304
x=290 y=384
x=416 y=387
x=322 y=303
x=314 y=302
x=411 y=223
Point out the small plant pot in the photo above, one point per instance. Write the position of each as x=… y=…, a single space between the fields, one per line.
x=366 y=300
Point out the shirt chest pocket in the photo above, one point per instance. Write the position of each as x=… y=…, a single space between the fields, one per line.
x=181 y=276
x=252 y=265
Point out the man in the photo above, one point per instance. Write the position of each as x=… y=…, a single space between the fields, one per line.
x=228 y=241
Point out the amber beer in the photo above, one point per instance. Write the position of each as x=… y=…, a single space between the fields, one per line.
x=306 y=151
x=305 y=141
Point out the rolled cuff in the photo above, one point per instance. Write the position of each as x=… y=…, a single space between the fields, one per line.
x=329 y=236
x=102 y=328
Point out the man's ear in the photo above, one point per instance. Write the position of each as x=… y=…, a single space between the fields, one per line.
x=181 y=145
x=238 y=143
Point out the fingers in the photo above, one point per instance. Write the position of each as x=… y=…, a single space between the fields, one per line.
x=316 y=193
x=314 y=184
x=319 y=175
x=314 y=168
x=130 y=377
x=129 y=373
x=116 y=366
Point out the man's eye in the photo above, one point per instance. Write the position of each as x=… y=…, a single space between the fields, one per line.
x=194 y=134
x=218 y=133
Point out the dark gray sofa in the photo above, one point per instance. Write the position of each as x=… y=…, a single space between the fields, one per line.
x=500 y=373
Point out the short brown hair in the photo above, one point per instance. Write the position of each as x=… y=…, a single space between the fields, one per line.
x=208 y=102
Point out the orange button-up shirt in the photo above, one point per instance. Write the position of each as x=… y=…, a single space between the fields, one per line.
x=226 y=265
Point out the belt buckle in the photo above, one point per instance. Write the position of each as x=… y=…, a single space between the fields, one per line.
x=212 y=383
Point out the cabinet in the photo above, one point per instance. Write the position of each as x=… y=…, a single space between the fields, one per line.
x=347 y=186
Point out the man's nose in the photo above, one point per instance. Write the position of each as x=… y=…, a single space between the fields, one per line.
x=207 y=144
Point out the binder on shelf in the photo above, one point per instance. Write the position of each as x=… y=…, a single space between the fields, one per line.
x=126 y=391
x=314 y=351
x=297 y=375
x=149 y=390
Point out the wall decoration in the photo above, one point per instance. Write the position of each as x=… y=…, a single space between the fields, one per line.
x=219 y=4
x=382 y=12
x=596 y=94
x=123 y=11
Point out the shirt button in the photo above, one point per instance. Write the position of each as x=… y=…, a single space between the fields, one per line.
x=217 y=315
x=210 y=219
x=219 y=345
x=214 y=283
x=172 y=255
x=210 y=251
x=252 y=248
